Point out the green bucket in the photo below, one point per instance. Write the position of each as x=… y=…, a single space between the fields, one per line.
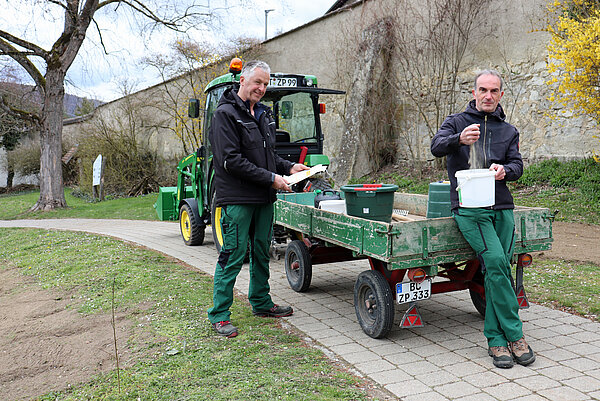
x=438 y=203
x=370 y=201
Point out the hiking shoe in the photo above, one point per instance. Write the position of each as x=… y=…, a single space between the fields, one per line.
x=502 y=357
x=275 y=311
x=225 y=328
x=522 y=352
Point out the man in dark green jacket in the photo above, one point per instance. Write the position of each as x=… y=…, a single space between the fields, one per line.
x=480 y=138
x=247 y=174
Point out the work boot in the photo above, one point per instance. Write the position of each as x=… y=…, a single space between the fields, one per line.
x=522 y=352
x=502 y=357
x=275 y=311
x=225 y=328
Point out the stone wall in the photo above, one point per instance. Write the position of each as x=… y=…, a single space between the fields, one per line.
x=511 y=40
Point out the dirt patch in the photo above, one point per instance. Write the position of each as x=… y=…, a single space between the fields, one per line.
x=46 y=345
x=574 y=241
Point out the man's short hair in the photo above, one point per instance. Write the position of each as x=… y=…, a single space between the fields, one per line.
x=252 y=65
x=487 y=72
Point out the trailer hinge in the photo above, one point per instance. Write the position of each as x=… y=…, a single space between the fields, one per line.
x=523 y=232
x=425 y=239
x=386 y=232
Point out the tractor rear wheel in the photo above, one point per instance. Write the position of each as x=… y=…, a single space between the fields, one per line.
x=215 y=221
x=192 y=231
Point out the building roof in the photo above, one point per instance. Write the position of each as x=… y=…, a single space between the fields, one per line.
x=339 y=4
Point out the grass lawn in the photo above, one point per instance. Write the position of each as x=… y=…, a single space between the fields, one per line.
x=16 y=206
x=181 y=357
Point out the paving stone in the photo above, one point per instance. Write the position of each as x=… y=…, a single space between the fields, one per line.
x=403 y=358
x=557 y=354
x=348 y=348
x=446 y=359
x=595 y=373
x=336 y=340
x=563 y=393
x=565 y=329
x=530 y=397
x=581 y=364
x=430 y=396
x=465 y=369
x=438 y=377
x=582 y=349
x=516 y=372
x=418 y=367
x=370 y=367
x=408 y=388
x=537 y=382
x=429 y=350
x=456 y=390
x=506 y=391
x=477 y=397
x=356 y=357
x=559 y=372
x=484 y=379
x=583 y=383
x=391 y=376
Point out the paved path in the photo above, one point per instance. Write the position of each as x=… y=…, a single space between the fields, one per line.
x=445 y=360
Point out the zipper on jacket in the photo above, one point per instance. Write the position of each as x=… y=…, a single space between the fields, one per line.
x=483 y=147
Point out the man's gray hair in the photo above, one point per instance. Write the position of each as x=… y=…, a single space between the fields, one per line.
x=252 y=65
x=487 y=72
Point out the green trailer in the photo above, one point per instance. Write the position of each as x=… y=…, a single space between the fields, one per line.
x=410 y=259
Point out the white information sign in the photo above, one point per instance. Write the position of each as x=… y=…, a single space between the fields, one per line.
x=97 y=170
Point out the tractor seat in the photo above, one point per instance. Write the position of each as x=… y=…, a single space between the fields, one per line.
x=282 y=136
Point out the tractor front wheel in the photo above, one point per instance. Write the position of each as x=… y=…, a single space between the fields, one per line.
x=192 y=231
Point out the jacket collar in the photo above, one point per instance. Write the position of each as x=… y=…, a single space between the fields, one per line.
x=498 y=113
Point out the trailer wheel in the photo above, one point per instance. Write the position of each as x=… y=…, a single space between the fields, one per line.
x=298 y=266
x=373 y=303
x=191 y=231
x=476 y=298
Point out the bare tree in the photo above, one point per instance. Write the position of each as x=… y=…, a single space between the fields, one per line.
x=78 y=15
x=185 y=73
x=425 y=42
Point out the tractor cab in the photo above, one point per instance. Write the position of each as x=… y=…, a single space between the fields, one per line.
x=294 y=100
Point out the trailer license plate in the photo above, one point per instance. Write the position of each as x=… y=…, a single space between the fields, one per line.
x=411 y=291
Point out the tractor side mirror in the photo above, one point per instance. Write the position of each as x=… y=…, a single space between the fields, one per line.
x=194 y=108
x=287 y=109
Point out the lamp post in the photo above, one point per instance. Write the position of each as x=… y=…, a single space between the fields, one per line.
x=266 y=15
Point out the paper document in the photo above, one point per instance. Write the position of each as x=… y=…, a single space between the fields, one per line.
x=294 y=178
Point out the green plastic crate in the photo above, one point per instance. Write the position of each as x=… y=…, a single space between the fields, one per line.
x=370 y=201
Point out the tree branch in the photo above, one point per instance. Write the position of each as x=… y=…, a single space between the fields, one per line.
x=21 y=114
x=9 y=50
x=38 y=51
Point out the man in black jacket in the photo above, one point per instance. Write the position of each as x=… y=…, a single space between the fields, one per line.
x=480 y=138
x=247 y=174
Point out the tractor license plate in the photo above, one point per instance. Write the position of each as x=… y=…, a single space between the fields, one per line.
x=410 y=292
x=285 y=82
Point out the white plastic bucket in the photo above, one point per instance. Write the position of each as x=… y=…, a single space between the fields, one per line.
x=476 y=188
x=333 y=205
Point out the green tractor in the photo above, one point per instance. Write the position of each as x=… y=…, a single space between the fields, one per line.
x=294 y=99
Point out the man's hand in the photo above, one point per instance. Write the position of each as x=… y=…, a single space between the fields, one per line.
x=499 y=169
x=296 y=168
x=280 y=183
x=469 y=135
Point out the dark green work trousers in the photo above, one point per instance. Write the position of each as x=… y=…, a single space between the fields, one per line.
x=491 y=234
x=243 y=224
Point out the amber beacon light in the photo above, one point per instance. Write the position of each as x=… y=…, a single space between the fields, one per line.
x=235 y=66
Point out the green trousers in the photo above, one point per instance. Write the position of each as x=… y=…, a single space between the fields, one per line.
x=491 y=234
x=243 y=225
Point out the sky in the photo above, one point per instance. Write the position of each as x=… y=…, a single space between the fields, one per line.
x=101 y=76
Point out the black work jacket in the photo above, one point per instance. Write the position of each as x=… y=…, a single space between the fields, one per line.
x=244 y=157
x=498 y=143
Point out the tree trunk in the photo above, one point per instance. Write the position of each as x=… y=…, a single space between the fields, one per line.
x=52 y=194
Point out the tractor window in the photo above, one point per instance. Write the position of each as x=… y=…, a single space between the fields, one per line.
x=211 y=104
x=294 y=114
